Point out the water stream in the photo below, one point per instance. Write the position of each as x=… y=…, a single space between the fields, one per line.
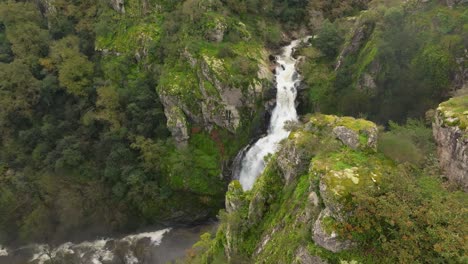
x=287 y=80
x=154 y=247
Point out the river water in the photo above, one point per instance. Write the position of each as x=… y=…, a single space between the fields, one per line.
x=287 y=81
x=153 y=247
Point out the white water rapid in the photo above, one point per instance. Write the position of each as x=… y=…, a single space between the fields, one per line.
x=287 y=80
x=156 y=247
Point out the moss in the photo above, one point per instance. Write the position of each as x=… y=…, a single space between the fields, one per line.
x=328 y=224
x=367 y=56
x=346 y=171
x=455 y=112
x=320 y=120
x=130 y=35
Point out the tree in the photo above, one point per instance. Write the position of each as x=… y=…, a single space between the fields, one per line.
x=19 y=92
x=328 y=40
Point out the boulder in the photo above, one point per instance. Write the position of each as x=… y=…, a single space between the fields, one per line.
x=349 y=137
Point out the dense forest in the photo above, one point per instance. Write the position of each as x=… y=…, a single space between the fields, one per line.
x=86 y=89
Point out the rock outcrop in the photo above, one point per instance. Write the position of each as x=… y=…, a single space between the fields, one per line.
x=328 y=239
x=451 y=135
x=203 y=90
x=303 y=195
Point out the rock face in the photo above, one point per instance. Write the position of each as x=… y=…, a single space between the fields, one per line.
x=360 y=36
x=328 y=239
x=295 y=209
x=204 y=92
x=292 y=160
x=177 y=124
x=216 y=33
x=451 y=136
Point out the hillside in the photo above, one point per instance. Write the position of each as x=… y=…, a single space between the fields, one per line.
x=121 y=115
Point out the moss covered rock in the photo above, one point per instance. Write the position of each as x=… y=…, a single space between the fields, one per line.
x=451 y=135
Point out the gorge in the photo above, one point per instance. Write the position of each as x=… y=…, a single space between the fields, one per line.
x=209 y=131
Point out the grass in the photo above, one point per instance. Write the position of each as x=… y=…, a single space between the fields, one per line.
x=455 y=111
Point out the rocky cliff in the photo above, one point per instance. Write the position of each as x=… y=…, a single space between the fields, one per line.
x=329 y=195
x=289 y=215
x=450 y=129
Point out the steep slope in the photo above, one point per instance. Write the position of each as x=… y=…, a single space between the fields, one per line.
x=328 y=196
x=451 y=134
x=120 y=114
x=393 y=61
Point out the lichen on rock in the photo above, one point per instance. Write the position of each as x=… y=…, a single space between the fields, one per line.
x=328 y=240
x=451 y=135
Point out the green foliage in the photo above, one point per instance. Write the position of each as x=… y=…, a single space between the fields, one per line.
x=328 y=40
x=411 y=143
x=410 y=219
x=454 y=111
x=393 y=53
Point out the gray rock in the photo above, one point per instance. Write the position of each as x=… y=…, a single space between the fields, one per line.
x=360 y=35
x=331 y=241
x=177 y=124
x=334 y=207
x=257 y=208
x=347 y=136
x=452 y=150
x=234 y=198
x=291 y=161
x=304 y=257
x=372 y=137
x=216 y=34
x=118 y=5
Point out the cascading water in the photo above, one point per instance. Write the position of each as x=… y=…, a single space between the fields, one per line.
x=287 y=80
x=157 y=247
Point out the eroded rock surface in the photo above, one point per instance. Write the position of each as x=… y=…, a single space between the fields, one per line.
x=328 y=238
x=451 y=135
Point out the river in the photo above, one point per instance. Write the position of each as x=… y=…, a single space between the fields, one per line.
x=152 y=247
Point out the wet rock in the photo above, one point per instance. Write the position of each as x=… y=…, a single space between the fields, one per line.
x=326 y=238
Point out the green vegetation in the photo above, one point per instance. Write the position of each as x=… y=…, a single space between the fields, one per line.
x=394 y=210
x=454 y=111
x=90 y=95
x=393 y=53
x=82 y=114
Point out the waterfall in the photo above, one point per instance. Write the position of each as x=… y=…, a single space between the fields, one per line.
x=287 y=80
